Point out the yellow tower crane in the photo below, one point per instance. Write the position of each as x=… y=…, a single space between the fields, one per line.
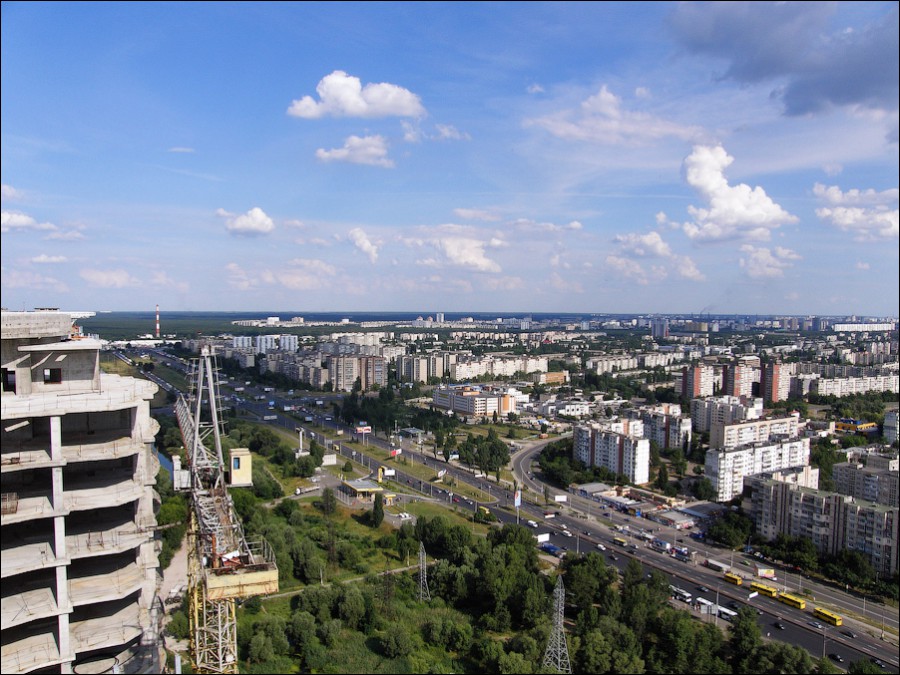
x=222 y=564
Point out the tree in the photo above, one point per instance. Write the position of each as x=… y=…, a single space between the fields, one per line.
x=328 y=504
x=378 y=510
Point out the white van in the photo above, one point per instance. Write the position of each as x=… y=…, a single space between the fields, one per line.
x=531 y=523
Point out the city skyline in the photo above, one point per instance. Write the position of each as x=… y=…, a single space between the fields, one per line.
x=670 y=158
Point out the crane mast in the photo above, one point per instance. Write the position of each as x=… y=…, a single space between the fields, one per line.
x=222 y=564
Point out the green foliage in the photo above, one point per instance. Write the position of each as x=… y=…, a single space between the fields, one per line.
x=377 y=516
x=397 y=641
x=731 y=530
x=179 y=626
x=328 y=503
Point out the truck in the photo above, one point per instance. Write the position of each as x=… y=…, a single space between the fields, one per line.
x=552 y=549
x=270 y=418
x=268 y=389
x=238 y=388
x=288 y=408
x=717 y=566
x=660 y=545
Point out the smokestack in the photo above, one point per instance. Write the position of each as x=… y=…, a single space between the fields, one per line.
x=157 y=322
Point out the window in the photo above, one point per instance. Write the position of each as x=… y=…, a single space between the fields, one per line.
x=236 y=463
x=9 y=380
x=52 y=375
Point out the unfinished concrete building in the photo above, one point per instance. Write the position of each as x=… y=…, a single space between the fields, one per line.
x=79 y=564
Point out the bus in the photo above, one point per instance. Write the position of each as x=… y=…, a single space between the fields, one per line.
x=733 y=578
x=620 y=542
x=762 y=589
x=680 y=594
x=792 y=600
x=828 y=617
x=727 y=614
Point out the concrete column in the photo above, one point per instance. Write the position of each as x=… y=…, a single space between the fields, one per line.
x=65 y=644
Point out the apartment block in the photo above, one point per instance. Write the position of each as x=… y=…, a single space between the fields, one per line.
x=775 y=381
x=738 y=379
x=697 y=381
x=619 y=452
x=728 y=468
x=867 y=482
x=473 y=402
x=890 y=426
x=721 y=410
x=832 y=521
x=725 y=435
x=79 y=563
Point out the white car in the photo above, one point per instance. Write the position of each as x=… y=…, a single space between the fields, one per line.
x=531 y=523
x=601 y=547
x=566 y=533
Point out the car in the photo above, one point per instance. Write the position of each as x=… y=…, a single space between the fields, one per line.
x=836 y=657
x=566 y=533
x=850 y=634
x=816 y=624
x=634 y=546
x=703 y=589
x=779 y=625
x=587 y=532
x=531 y=523
x=613 y=556
x=734 y=605
x=601 y=547
x=878 y=662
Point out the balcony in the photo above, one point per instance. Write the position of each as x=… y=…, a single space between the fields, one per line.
x=23 y=653
x=107 y=586
x=101 y=632
x=103 y=493
x=30 y=605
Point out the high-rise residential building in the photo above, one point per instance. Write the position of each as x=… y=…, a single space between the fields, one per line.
x=890 y=426
x=722 y=410
x=775 y=381
x=868 y=482
x=738 y=379
x=730 y=435
x=832 y=521
x=727 y=469
x=659 y=328
x=79 y=563
x=697 y=381
x=619 y=452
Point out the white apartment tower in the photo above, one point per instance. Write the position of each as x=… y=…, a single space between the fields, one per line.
x=619 y=452
x=79 y=563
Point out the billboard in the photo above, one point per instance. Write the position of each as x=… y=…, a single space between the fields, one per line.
x=560 y=498
x=396 y=452
x=518 y=498
x=364 y=430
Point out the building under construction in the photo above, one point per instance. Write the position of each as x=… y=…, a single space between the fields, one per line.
x=79 y=564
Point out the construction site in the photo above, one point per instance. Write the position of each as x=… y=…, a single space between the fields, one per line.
x=79 y=573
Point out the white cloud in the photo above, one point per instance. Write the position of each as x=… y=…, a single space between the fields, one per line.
x=31 y=280
x=862 y=265
x=528 y=225
x=181 y=149
x=305 y=274
x=109 y=278
x=68 y=235
x=535 y=89
x=239 y=279
x=412 y=133
x=764 y=263
x=476 y=214
x=865 y=213
x=457 y=246
x=560 y=283
x=448 y=132
x=651 y=245
x=14 y=220
x=163 y=280
x=642 y=245
x=361 y=241
x=8 y=192
x=628 y=269
x=253 y=223
x=601 y=118
x=370 y=150
x=733 y=211
x=48 y=259
x=342 y=95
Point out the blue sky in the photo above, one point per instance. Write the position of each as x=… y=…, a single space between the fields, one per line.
x=510 y=157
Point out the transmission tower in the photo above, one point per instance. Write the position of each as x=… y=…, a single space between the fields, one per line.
x=557 y=654
x=424 y=594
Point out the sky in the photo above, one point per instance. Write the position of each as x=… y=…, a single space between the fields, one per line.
x=450 y=157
